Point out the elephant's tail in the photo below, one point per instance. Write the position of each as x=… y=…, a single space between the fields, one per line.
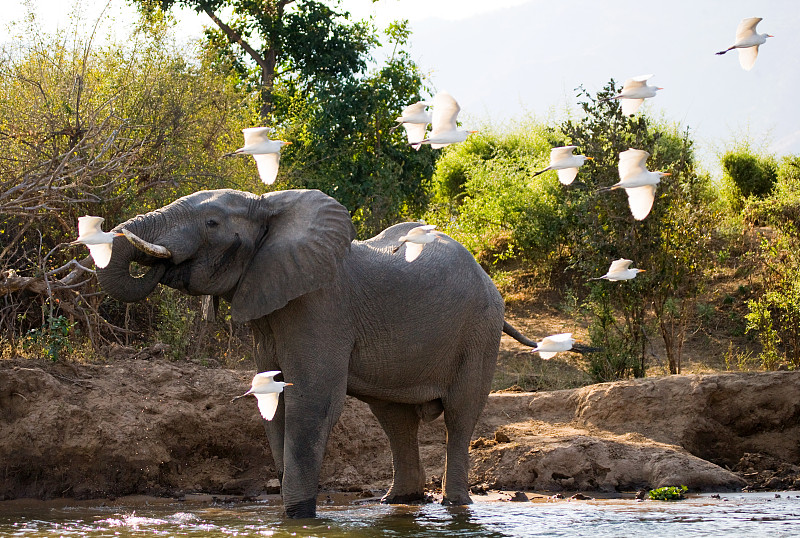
x=516 y=335
x=522 y=339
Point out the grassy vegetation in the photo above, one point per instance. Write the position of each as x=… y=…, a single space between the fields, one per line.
x=121 y=129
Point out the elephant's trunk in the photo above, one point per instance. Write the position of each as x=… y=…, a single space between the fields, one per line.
x=116 y=278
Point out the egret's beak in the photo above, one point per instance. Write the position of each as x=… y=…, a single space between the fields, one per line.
x=659 y=88
x=590 y=158
x=472 y=132
x=769 y=35
x=667 y=173
x=286 y=143
x=288 y=384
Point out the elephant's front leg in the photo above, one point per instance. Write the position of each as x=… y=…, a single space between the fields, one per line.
x=312 y=407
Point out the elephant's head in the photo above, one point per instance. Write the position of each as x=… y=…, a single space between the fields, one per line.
x=258 y=252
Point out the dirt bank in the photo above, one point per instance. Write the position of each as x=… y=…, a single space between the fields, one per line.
x=144 y=425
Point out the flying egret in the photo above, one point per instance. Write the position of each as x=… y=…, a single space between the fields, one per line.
x=551 y=345
x=415 y=239
x=98 y=241
x=747 y=42
x=415 y=119
x=266 y=390
x=638 y=182
x=634 y=91
x=266 y=152
x=444 y=129
x=564 y=163
x=620 y=270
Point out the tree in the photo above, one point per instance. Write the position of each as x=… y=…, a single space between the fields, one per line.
x=672 y=243
x=269 y=40
x=343 y=144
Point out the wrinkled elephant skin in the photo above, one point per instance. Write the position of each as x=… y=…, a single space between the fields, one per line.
x=336 y=316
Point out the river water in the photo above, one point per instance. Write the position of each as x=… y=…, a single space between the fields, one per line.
x=732 y=514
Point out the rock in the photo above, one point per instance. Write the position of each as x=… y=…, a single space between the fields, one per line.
x=136 y=426
x=519 y=497
x=580 y=497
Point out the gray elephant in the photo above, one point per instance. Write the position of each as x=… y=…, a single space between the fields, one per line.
x=336 y=316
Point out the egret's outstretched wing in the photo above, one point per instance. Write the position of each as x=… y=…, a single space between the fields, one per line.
x=445 y=112
x=415 y=133
x=101 y=254
x=547 y=354
x=414 y=112
x=640 y=199
x=267 y=164
x=559 y=154
x=632 y=163
x=89 y=225
x=255 y=135
x=264 y=378
x=630 y=106
x=747 y=57
x=619 y=265
x=747 y=28
x=559 y=339
x=635 y=82
x=567 y=175
x=268 y=404
x=413 y=250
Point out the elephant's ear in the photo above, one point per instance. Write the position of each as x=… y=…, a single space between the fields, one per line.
x=307 y=234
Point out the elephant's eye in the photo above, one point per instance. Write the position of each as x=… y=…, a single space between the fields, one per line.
x=211 y=223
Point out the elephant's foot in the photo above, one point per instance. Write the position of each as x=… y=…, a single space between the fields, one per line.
x=406 y=498
x=457 y=500
x=303 y=509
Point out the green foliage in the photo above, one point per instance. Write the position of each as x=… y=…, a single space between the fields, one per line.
x=486 y=197
x=112 y=130
x=671 y=244
x=53 y=338
x=343 y=147
x=774 y=316
x=668 y=493
x=747 y=174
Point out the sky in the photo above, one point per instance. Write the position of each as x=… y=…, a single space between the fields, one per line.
x=509 y=59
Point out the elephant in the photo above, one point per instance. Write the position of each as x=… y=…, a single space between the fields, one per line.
x=337 y=316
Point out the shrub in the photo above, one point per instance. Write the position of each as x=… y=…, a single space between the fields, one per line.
x=487 y=198
x=747 y=174
x=672 y=244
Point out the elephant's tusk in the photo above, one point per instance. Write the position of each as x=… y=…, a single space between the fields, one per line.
x=148 y=248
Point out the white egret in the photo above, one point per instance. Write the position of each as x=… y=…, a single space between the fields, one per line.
x=267 y=391
x=620 y=270
x=551 y=345
x=415 y=239
x=415 y=119
x=747 y=42
x=98 y=241
x=638 y=182
x=634 y=91
x=266 y=152
x=565 y=163
x=444 y=127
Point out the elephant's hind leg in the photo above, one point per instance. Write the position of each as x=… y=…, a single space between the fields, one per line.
x=401 y=423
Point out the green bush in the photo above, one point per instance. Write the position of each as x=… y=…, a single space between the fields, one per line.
x=774 y=316
x=668 y=493
x=487 y=198
x=672 y=244
x=747 y=174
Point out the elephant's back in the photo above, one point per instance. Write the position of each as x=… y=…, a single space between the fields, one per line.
x=444 y=266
